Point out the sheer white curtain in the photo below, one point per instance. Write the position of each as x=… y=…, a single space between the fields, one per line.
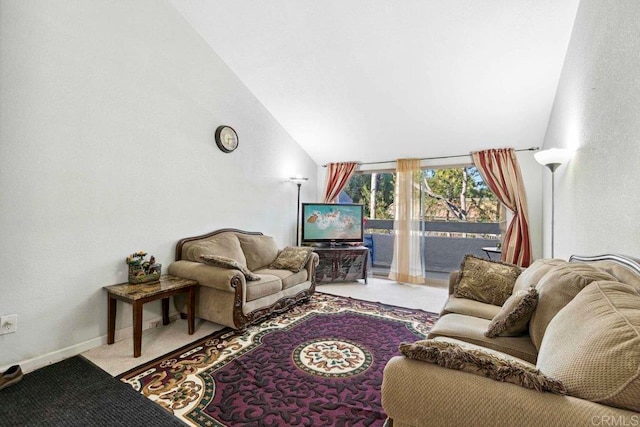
x=407 y=265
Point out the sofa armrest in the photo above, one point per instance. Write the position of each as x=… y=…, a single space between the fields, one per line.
x=311 y=265
x=417 y=393
x=453 y=278
x=209 y=275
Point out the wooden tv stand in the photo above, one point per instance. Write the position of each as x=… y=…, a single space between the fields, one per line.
x=341 y=264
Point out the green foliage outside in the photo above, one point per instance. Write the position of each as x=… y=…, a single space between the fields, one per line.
x=456 y=194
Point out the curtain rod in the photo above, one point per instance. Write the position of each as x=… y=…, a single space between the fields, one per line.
x=437 y=158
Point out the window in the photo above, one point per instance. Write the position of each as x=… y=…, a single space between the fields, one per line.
x=456 y=204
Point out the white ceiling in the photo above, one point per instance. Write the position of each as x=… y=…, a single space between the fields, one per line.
x=372 y=80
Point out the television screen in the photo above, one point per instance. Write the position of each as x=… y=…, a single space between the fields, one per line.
x=328 y=222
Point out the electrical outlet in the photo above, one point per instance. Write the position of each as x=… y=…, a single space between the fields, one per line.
x=8 y=324
x=154 y=324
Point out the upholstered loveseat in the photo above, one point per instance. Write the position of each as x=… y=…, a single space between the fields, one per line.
x=225 y=294
x=584 y=333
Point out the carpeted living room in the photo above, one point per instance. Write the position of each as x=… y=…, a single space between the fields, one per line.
x=203 y=153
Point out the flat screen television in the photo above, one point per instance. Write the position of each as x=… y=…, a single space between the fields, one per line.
x=329 y=223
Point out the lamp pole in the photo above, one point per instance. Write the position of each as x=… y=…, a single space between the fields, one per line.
x=299 y=184
x=553 y=158
x=552 y=167
x=298 y=181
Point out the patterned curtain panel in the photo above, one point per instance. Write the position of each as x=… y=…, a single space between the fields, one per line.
x=407 y=265
x=338 y=175
x=501 y=172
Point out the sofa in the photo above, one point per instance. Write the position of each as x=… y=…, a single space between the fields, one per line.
x=238 y=283
x=583 y=334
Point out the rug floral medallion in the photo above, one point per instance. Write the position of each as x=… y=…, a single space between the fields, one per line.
x=320 y=363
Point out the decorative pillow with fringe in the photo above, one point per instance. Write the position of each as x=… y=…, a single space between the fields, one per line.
x=483 y=363
x=224 y=262
x=486 y=281
x=513 y=318
x=292 y=258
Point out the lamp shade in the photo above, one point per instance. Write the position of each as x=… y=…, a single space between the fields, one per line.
x=297 y=179
x=553 y=156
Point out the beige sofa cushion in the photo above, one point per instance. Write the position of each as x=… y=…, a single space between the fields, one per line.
x=556 y=289
x=288 y=278
x=415 y=394
x=224 y=262
x=267 y=285
x=621 y=273
x=470 y=308
x=531 y=275
x=481 y=361
x=259 y=250
x=513 y=319
x=486 y=281
x=471 y=329
x=224 y=244
x=593 y=345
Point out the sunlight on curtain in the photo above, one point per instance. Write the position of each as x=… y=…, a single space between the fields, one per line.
x=501 y=172
x=338 y=175
x=407 y=265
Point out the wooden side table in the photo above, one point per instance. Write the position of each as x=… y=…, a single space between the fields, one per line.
x=138 y=294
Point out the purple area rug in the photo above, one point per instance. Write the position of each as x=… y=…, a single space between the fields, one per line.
x=320 y=363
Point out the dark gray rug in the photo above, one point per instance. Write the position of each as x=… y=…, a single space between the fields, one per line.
x=75 y=392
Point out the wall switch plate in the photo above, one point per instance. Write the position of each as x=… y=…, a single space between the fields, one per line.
x=8 y=324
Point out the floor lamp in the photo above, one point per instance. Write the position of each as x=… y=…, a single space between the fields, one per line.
x=298 y=181
x=552 y=158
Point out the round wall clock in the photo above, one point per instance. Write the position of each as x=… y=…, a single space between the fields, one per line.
x=226 y=138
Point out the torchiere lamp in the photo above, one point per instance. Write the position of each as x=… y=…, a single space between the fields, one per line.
x=552 y=158
x=298 y=181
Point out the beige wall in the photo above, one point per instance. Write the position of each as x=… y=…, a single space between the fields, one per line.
x=107 y=117
x=597 y=112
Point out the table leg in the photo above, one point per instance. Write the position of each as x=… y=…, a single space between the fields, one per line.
x=191 y=310
x=137 y=328
x=165 y=311
x=111 y=319
x=366 y=266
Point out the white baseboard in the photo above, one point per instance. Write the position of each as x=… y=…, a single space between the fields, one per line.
x=31 y=365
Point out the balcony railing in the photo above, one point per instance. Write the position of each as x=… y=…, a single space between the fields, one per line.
x=445 y=242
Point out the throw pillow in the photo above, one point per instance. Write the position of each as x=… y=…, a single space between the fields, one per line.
x=224 y=262
x=531 y=275
x=480 y=362
x=556 y=289
x=513 y=318
x=259 y=250
x=486 y=281
x=224 y=244
x=593 y=345
x=292 y=258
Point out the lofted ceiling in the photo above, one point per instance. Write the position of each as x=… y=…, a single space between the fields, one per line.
x=372 y=80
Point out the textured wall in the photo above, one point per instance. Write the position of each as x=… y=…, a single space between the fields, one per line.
x=108 y=112
x=597 y=112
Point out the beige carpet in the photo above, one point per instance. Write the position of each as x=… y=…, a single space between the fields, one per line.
x=118 y=357
x=430 y=297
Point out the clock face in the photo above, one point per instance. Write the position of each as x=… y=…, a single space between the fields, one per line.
x=226 y=138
